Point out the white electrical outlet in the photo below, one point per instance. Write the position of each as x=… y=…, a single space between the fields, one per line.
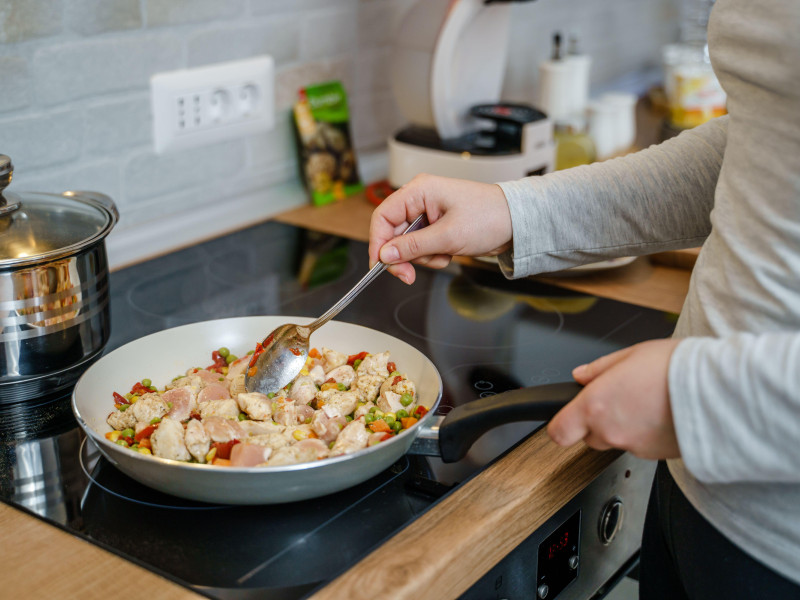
x=195 y=107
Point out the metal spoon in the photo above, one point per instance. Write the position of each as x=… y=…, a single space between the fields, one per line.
x=282 y=354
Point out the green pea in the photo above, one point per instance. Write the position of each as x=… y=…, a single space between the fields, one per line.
x=394 y=373
x=251 y=352
x=341 y=387
x=121 y=442
x=124 y=407
x=169 y=404
x=396 y=426
x=330 y=446
x=230 y=358
x=402 y=414
x=348 y=418
x=155 y=420
x=356 y=362
x=126 y=432
x=271 y=395
x=224 y=352
x=128 y=396
x=373 y=409
x=369 y=418
x=406 y=399
x=378 y=414
x=147 y=383
x=242 y=416
x=389 y=420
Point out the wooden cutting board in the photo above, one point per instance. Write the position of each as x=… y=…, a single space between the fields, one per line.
x=679 y=259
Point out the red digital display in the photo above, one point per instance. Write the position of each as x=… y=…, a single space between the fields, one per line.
x=558 y=545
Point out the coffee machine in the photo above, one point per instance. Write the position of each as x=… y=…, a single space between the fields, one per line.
x=449 y=59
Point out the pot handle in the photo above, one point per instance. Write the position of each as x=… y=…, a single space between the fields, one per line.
x=466 y=423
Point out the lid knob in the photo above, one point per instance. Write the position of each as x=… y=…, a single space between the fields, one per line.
x=6 y=173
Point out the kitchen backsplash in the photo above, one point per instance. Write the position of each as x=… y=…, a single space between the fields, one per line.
x=74 y=88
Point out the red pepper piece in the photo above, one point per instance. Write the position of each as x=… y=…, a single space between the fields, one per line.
x=120 y=399
x=391 y=367
x=224 y=448
x=420 y=412
x=397 y=379
x=259 y=350
x=145 y=433
x=354 y=357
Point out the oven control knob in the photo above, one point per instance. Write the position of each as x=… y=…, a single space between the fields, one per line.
x=573 y=562
x=542 y=591
x=611 y=520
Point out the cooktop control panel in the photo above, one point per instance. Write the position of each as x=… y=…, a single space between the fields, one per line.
x=584 y=549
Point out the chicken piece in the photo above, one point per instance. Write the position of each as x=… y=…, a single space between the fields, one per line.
x=191 y=379
x=237 y=368
x=303 y=390
x=219 y=408
x=251 y=428
x=317 y=373
x=149 y=407
x=237 y=386
x=344 y=375
x=271 y=440
x=338 y=404
x=367 y=386
x=121 y=419
x=209 y=377
x=249 y=455
x=374 y=364
x=289 y=413
x=390 y=402
x=197 y=440
x=183 y=401
x=363 y=410
x=399 y=384
x=352 y=438
x=327 y=428
x=332 y=359
x=220 y=429
x=303 y=451
x=257 y=406
x=214 y=391
x=167 y=440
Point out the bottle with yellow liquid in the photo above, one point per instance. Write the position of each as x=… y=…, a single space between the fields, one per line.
x=574 y=147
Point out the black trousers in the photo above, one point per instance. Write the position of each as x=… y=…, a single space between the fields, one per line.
x=685 y=558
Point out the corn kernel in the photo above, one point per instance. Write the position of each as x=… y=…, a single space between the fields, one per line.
x=328 y=386
x=211 y=454
x=300 y=434
x=224 y=370
x=144 y=451
x=304 y=372
x=113 y=436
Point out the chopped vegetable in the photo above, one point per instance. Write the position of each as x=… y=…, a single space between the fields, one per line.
x=379 y=425
x=224 y=352
x=406 y=399
x=408 y=422
x=392 y=368
x=354 y=357
x=314 y=353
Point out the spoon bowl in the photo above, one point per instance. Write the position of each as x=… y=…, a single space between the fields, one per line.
x=280 y=357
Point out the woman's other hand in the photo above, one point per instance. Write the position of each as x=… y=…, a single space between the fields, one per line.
x=624 y=404
x=466 y=218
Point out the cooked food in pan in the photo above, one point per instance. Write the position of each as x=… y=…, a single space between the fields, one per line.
x=338 y=404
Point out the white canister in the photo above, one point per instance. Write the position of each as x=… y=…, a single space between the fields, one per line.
x=624 y=119
x=602 y=123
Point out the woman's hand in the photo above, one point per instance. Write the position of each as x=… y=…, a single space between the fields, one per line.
x=466 y=218
x=625 y=403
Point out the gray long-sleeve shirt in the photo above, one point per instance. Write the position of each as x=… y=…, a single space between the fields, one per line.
x=733 y=185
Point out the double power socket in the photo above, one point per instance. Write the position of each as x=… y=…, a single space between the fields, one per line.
x=205 y=105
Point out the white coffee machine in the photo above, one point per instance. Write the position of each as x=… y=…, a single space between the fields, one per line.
x=449 y=58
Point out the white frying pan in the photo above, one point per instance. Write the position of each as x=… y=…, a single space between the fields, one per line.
x=163 y=355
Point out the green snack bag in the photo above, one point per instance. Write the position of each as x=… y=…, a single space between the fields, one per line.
x=327 y=160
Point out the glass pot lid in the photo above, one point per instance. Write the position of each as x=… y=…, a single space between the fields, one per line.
x=38 y=227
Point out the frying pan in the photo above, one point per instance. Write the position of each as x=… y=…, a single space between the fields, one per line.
x=163 y=355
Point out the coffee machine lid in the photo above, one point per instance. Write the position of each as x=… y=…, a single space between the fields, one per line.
x=449 y=55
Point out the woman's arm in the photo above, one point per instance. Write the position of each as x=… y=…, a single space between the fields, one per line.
x=654 y=200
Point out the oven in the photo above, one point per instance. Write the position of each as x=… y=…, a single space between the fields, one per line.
x=484 y=334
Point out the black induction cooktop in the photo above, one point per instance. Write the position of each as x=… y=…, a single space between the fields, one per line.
x=485 y=335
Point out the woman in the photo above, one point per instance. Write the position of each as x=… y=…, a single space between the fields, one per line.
x=720 y=401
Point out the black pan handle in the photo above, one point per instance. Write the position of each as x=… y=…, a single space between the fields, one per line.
x=466 y=423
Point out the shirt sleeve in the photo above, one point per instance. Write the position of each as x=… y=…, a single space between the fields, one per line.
x=733 y=399
x=650 y=201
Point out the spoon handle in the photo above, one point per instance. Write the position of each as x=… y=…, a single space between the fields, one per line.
x=379 y=268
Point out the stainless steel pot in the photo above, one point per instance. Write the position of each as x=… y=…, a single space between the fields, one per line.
x=54 y=297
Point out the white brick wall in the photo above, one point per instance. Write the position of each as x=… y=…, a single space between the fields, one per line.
x=74 y=84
